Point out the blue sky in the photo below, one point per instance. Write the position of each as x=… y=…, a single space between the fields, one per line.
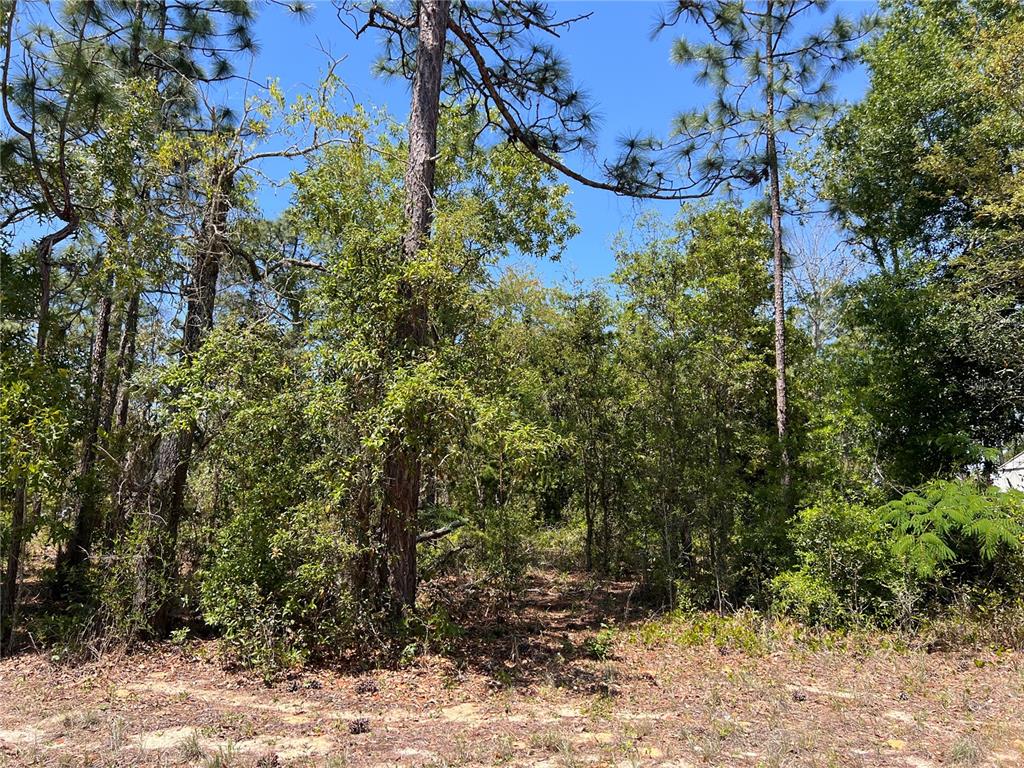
x=628 y=76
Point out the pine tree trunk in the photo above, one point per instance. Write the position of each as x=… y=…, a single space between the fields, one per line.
x=778 y=262
x=402 y=468
x=165 y=500
x=86 y=509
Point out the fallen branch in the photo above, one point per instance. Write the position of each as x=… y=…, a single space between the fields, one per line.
x=440 y=533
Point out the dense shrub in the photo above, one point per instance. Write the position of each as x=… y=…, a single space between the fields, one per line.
x=844 y=570
x=937 y=544
x=958 y=531
x=278 y=589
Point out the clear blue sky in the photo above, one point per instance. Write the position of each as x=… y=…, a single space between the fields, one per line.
x=629 y=77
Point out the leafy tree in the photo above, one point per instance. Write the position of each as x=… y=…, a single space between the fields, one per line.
x=694 y=331
x=921 y=172
x=54 y=94
x=524 y=94
x=935 y=103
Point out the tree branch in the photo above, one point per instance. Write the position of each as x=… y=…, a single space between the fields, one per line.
x=440 y=533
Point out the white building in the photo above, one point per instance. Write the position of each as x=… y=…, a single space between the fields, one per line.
x=1010 y=474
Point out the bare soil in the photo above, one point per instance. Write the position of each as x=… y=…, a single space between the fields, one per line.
x=536 y=684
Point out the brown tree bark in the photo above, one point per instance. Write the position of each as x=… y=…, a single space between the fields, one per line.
x=86 y=509
x=115 y=418
x=778 y=263
x=164 y=502
x=44 y=250
x=9 y=591
x=402 y=467
x=588 y=518
x=116 y=402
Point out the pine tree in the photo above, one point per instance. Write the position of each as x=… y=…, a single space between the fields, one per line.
x=772 y=84
x=177 y=51
x=496 y=62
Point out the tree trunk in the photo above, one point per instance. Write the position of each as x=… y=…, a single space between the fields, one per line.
x=778 y=257
x=402 y=467
x=9 y=593
x=86 y=517
x=606 y=525
x=44 y=250
x=116 y=402
x=588 y=516
x=116 y=406
x=165 y=500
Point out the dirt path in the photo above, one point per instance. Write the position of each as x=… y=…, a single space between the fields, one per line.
x=535 y=690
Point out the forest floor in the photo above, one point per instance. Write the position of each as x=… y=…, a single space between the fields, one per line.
x=544 y=683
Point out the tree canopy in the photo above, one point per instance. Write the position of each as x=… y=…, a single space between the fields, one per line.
x=296 y=430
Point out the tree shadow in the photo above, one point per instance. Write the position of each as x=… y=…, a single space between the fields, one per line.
x=557 y=630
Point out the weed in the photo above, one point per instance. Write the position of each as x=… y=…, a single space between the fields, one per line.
x=707 y=745
x=224 y=757
x=600 y=707
x=179 y=636
x=743 y=631
x=504 y=750
x=639 y=729
x=601 y=644
x=549 y=741
x=967 y=751
x=117 y=728
x=191 y=749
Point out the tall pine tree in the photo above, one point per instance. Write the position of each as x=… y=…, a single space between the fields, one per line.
x=772 y=84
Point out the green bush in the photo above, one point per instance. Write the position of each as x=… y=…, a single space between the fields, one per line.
x=944 y=540
x=845 y=569
x=503 y=541
x=807 y=597
x=959 y=530
x=278 y=589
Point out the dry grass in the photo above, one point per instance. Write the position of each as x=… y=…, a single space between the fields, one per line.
x=561 y=679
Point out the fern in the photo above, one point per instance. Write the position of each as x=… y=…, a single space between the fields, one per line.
x=929 y=523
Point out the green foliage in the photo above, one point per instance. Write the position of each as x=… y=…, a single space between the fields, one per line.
x=856 y=563
x=744 y=631
x=921 y=173
x=697 y=381
x=298 y=426
x=929 y=106
x=277 y=589
x=946 y=524
x=601 y=644
x=34 y=424
x=845 y=568
x=260 y=378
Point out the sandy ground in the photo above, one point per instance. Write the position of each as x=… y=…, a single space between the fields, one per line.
x=528 y=691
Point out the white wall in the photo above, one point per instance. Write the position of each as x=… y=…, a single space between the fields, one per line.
x=1010 y=475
